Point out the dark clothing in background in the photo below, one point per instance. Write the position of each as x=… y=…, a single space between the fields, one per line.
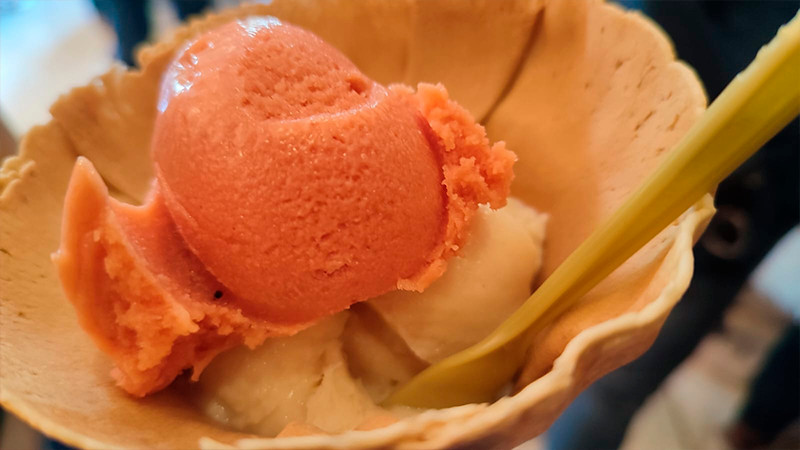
x=756 y=205
x=130 y=21
x=767 y=410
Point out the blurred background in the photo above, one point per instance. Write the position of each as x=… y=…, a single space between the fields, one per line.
x=723 y=373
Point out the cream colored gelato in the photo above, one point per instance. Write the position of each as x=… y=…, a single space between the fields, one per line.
x=330 y=376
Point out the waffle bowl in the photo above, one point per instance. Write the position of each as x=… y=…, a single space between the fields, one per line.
x=589 y=96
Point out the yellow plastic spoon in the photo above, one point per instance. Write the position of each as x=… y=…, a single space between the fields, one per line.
x=757 y=104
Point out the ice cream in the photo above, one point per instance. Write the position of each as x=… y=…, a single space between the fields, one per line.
x=350 y=362
x=288 y=187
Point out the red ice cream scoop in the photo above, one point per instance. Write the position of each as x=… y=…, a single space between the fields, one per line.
x=290 y=185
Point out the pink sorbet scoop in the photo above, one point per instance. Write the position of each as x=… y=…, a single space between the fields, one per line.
x=289 y=186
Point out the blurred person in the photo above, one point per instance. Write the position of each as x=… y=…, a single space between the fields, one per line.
x=756 y=205
x=130 y=19
x=773 y=401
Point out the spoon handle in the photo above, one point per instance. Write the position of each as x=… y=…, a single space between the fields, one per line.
x=757 y=104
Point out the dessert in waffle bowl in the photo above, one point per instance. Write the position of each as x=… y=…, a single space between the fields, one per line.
x=589 y=98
